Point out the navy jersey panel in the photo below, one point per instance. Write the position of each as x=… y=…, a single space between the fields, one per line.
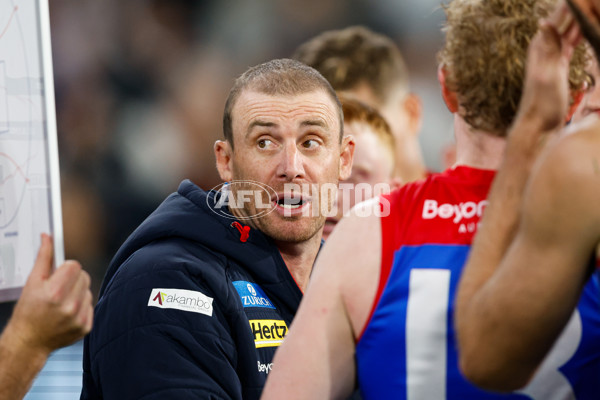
x=187 y=310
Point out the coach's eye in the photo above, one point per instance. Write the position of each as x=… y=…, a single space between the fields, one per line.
x=310 y=144
x=264 y=143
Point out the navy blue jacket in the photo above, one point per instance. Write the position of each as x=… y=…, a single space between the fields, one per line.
x=187 y=310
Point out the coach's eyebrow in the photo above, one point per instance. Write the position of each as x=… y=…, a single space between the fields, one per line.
x=314 y=122
x=259 y=123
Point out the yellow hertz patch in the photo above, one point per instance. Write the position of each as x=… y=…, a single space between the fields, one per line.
x=268 y=332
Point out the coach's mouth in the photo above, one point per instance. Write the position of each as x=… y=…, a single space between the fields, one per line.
x=290 y=204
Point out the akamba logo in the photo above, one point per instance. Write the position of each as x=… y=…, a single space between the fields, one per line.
x=159 y=296
x=183 y=300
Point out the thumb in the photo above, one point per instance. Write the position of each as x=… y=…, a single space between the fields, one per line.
x=42 y=268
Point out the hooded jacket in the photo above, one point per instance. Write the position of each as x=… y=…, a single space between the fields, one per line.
x=187 y=310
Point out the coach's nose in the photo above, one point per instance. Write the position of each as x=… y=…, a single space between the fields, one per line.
x=291 y=164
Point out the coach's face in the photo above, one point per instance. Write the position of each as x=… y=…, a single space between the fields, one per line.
x=292 y=144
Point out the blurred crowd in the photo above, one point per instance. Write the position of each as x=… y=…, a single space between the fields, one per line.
x=141 y=85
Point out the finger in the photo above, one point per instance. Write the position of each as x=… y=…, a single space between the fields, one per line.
x=64 y=279
x=560 y=18
x=570 y=41
x=42 y=268
x=75 y=299
x=573 y=34
x=565 y=23
x=547 y=43
x=85 y=317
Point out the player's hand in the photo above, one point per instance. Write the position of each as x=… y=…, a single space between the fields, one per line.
x=546 y=92
x=55 y=308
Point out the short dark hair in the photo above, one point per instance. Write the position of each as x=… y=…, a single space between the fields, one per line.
x=278 y=77
x=353 y=55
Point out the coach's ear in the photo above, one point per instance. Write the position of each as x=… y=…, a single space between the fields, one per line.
x=448 y=95
x=346 y=157
x=223 y=155
x=576 y=101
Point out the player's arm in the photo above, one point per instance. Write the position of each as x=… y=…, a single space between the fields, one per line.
x=316 y=360
x=479 y=319
x=518 y=314
x=54 y=310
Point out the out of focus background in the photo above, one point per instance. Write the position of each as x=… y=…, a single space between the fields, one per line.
x=140 y=90
x=141 y=86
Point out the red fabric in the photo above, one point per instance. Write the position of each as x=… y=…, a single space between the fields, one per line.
x=427 y=211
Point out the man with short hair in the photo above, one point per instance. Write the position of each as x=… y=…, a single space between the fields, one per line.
x=534 y=258
x=200 y=296
x=369 y=66
x=381 y=294
x=373 y=163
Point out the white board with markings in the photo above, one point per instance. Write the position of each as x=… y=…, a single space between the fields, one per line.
x=29 y=176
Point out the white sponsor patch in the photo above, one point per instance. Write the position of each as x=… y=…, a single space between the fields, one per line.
x=457 y=212
x=179 y=299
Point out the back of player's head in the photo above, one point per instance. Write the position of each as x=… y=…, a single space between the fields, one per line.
x=484 y=57
x=356 y=55
x=358 y=112
x=282 y=77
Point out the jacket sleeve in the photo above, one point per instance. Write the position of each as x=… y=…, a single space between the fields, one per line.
x=152 y=339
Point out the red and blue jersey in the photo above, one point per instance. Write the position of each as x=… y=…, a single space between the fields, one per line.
x=407 y=349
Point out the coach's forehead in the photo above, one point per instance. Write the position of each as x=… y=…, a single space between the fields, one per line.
x=315 y=107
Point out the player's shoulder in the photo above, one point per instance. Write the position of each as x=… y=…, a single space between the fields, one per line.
x=351 y=259
x=574 y=158
x=410 y=192
x=568 y=171
x=359 y=230
x=583 y=136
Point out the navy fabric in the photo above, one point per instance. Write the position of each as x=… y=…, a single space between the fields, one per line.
x=136 y=351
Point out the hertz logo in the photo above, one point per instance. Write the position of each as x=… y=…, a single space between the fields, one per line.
x=268 y=332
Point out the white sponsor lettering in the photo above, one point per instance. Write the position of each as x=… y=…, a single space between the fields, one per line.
x=180 y=299
x=256 y=301
x=265 y=367
x=458 y=212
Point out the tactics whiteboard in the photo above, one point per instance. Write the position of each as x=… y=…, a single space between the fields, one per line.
x=29 y=176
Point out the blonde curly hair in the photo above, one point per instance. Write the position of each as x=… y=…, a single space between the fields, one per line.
x=484 y=57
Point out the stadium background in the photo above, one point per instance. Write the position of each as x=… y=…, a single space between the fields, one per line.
x=140 y=89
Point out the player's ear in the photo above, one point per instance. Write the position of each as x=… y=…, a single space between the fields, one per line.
x=223 y=154
x=576 y=98
x=448 y=95
x=413 y=108
x=346 y=157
